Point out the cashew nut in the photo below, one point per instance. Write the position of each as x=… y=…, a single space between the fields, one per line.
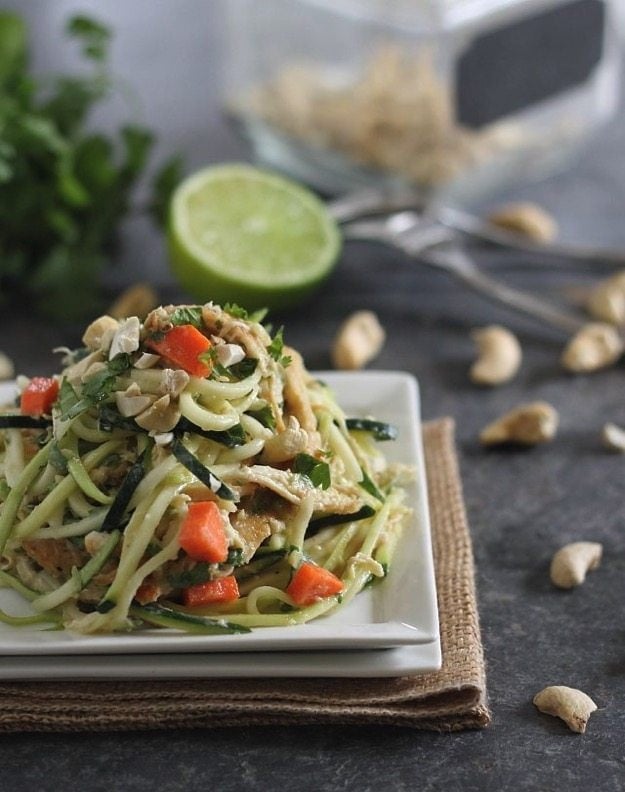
x=528 y=424
x=137 y=300
x=499 y=355
x=570 y=704
x=606 y=300
x=359 y=339
x=527 y=219
x=100 y=333
x=126 y=338
x=571 y=563
x=594 y=347
x=613 y=437
x=160 y=417
x=132 y=402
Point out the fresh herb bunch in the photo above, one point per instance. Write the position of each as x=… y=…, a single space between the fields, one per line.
x=63 y=188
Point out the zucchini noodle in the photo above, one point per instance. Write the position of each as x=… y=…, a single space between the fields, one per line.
x=215 y=491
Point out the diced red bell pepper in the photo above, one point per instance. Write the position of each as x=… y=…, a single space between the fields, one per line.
x=311 y=583
x=182 y=346
x=202 y=534
x=39 y=396
x=223 y=589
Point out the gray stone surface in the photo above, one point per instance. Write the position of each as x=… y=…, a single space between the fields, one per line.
x=522 y=505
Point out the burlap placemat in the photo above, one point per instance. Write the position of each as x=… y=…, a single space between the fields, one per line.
x=448 y=700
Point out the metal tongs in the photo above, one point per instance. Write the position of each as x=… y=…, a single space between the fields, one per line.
x=434 y=236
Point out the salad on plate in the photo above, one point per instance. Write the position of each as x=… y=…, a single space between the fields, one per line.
x=188 y=472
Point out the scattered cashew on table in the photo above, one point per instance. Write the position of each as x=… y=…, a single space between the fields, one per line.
x=573 y=706
x=572 y=562
x=499 y=357
x=359 y=339
x=528 y=424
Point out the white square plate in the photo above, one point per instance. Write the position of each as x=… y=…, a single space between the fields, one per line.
x=401 y=611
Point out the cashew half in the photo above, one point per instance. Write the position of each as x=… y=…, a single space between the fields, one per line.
x=528 y=424
x=571 y=563
x=359 y=340
x=527 y=219
x=499 y=355
x=570 y=704
x=596 y=346
x=606 y=301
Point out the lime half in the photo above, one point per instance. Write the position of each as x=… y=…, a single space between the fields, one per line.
x=244 y=235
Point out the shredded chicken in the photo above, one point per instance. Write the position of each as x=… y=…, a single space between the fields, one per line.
x=56 y=556
x=341 y=499
x=297 y=400
x=285 y=445
x=253 y=529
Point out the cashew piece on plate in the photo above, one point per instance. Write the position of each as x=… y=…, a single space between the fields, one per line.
x=359 y=340
x=573 y=706
x=606 y=300
x=528 y=424
x=499 y=355
x=99 y=333
x=526 y=219
x=571 y=563
x=596 y=346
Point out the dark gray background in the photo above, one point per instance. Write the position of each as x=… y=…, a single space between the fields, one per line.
x=522 y=505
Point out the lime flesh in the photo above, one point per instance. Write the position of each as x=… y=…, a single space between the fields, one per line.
x=244 y=235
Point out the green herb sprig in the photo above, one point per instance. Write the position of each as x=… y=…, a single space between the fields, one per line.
x=63 y=188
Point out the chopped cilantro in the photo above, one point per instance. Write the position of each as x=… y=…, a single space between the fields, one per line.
x=318 y=472
x=69 y=402
x=275 y=349
x=94 y=390
x=368 y=485
x=235 y=557
x=242 y=313
x=264 y=416
x=277 y=345
x=57 y=459
x=200 y=573
x=187 y=314
x=243 y=369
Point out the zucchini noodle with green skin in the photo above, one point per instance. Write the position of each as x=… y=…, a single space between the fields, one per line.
x=188 y=472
